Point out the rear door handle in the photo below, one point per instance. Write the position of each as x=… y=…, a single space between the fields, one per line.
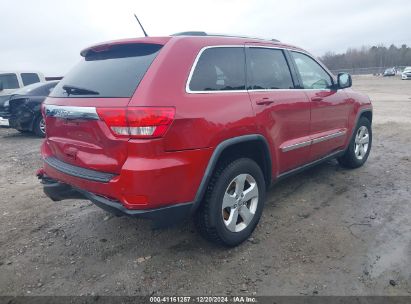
x=265 y=101
x=316 y=98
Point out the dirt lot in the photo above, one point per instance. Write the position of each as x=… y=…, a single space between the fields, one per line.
x=327 y=231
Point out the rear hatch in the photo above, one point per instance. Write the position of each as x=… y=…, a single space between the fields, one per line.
x=101 y=84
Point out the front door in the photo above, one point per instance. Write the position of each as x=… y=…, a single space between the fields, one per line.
x=282 y=113
x=329 y=107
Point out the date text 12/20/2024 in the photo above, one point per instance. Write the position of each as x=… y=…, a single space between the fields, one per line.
x=204 y=299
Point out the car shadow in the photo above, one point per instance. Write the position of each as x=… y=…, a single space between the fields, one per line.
x=182 y=238
x=10 y=133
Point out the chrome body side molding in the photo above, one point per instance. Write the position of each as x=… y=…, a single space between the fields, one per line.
x=313 y=141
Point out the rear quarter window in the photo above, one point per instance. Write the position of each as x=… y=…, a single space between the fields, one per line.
x=219 y=69
x=115 y=72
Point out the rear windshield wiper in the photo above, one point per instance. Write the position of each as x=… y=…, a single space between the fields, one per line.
x=73 y=90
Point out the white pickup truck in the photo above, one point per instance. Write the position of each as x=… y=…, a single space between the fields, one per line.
x=10 y=82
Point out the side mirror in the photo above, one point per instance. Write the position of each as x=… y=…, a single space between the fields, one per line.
x=1 y=86
x=344 y=80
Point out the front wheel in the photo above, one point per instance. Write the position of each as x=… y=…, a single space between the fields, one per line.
x=360 y=146
x=233 y=203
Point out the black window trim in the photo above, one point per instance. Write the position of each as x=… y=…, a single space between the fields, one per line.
x=288 y=57
x=333 y=85
x=193 y=67
x=295 y=80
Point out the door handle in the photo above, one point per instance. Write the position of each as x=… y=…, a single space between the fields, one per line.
x=265 y=101
x=316 y=98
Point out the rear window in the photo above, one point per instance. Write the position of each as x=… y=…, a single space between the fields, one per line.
x=115 y=72
x=9 y=81
x=219 y=69
x=29 y=78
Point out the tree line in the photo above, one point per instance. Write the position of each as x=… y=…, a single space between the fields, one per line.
x=365 y=57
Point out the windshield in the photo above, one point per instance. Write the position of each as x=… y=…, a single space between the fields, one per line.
x=114 y=72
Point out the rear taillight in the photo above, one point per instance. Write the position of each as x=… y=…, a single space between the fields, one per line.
x=137 y=122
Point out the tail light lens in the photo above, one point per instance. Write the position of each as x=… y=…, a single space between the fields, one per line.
x=137 y=122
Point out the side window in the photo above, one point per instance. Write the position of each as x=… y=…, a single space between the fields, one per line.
x=219 y=69
x=9 y=81
x=312 y=74
x=268 y=69
x=29 y=78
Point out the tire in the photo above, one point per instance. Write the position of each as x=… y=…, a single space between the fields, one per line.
x=38 y=128
x=213 y=222
x=359 y=148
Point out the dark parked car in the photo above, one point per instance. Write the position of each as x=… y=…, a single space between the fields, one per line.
x=23 y=109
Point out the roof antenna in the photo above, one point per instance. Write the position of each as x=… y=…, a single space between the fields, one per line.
x=145 y=34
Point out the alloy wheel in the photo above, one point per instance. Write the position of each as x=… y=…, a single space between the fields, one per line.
x=240 y=202
x=42 y=126
x=362 y=140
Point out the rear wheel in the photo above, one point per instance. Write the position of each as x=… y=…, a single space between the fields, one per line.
x=233 y=203
x=39 y=127
x=360 y=146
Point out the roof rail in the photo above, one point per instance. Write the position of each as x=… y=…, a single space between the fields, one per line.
x=190 y=33
x=201 y=33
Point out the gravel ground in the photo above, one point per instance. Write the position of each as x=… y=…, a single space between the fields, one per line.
x=327 y=231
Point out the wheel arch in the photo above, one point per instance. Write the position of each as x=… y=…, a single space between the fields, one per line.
x=254 y=146
x=364 y=112
x=367 y=113
x=33 y=121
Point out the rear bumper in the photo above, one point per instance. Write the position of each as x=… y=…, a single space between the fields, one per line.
x=150 y=180
x=58 y=191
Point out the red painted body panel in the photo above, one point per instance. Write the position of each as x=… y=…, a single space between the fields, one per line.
x=329 y=114
x=88 y=144
x=168 y=170
x=284 y=122
x=163 y=178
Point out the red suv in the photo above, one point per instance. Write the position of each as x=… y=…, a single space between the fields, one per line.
x=165 y=127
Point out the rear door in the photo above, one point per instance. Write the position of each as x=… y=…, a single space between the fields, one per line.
x=105 y=78
x=329 y=107
x=282 y=113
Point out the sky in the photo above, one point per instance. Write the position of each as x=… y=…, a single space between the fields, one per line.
x=48 y=35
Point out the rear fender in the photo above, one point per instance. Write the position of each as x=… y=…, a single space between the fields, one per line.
x=216 y=156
